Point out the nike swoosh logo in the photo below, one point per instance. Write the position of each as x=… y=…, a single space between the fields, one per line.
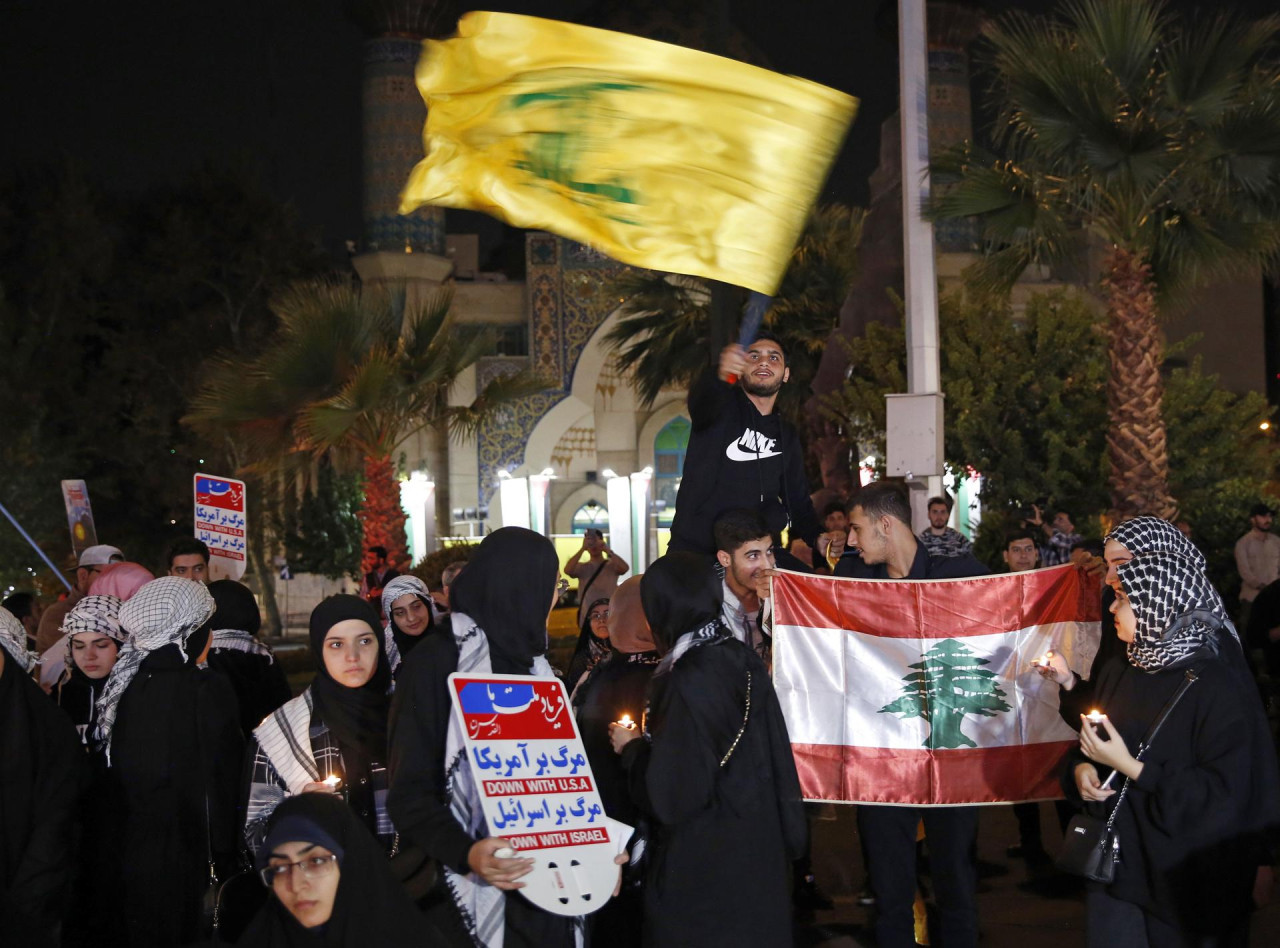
x=734 y=452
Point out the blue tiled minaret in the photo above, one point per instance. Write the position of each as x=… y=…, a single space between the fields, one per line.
x=394 y=116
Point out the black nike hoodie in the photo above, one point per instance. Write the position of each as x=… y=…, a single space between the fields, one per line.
x=738 y=457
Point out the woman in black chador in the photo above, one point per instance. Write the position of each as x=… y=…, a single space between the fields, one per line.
x=330 y=884
x=171 y=735
x=237 y=654
x=714 y=770
x=593 y=644
x=499 y=608
x=1198 y=809
x=42 y=769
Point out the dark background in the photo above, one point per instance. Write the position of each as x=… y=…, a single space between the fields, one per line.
x=143 y=92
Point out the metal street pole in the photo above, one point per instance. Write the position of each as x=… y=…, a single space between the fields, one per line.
x=914 y=420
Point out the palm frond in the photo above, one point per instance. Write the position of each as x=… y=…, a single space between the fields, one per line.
x=467 y=420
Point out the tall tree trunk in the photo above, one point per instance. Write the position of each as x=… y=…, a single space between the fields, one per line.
x=438 y=464
x=381 y=516
x=1136 y=444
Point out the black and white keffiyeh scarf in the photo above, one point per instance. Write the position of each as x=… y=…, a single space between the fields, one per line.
x=407 y=585
x=238 y=640
x=163 y=612
x=1165 y=581
x=712 y=631
x=482 y=906
x=13 y=637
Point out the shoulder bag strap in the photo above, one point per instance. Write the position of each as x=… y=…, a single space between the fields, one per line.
x=1188 y=680
x=745 y=717
x=594 y=576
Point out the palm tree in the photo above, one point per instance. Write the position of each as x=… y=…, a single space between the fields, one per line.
x=1156 y=137
x=352 y=374
x=662 y=338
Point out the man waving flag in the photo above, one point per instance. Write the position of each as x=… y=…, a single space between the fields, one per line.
x=925 y=693
x=659 y=156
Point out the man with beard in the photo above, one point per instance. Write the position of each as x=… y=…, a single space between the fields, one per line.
x=741 y=453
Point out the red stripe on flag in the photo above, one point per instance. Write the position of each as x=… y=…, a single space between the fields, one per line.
x=984 y=605
x=919 y=777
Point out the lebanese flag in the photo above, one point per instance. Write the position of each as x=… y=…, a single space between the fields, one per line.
x=922 y=692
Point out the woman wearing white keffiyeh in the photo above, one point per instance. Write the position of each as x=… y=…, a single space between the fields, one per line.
x=93 y=643
x=406 y=604
x=174 y=748
x=164 y=612
x=500 y=606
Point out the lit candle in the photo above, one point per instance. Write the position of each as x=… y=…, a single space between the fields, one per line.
x=625 y=721
x=1095 y=717
x=1043 y=660
x=332 y=781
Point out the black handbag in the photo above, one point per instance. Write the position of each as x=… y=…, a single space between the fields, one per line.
x=227 y=907
x=1090 y=846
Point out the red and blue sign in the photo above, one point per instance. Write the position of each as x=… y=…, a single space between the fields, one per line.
x=220 y=523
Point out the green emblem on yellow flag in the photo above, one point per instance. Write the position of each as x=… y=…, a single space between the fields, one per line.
x=656 y=155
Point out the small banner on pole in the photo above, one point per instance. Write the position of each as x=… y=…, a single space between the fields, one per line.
x=75 y=495
x=221 y=524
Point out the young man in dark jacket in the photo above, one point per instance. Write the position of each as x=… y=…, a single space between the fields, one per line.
x=880 y=526
x=741 y=452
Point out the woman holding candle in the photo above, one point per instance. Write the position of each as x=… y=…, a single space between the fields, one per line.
x=714 y=770
x=614 y=690
x=1194 y=822
x=332 y=738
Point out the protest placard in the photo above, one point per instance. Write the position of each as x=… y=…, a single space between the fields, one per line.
x=537 y=789
x=220 y=523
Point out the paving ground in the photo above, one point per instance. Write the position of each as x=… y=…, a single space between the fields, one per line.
x=1011 y=917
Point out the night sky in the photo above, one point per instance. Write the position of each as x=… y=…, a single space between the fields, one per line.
x=142 y=92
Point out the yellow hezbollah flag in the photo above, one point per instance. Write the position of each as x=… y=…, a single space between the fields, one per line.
x=659 y=156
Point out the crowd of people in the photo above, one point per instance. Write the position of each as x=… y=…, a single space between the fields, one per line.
x=163 y=786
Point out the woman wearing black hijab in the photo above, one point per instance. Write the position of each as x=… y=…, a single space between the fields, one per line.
x=42 y=769
x=499 y=604
x=336 y=728
x=714 y=770
x=237 y=654
x=172 y=741
x=330 y=883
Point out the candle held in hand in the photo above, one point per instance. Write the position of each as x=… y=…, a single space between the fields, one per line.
x=1095 y=717
x=1043 y=660
x=333 y=781
x=625 y=721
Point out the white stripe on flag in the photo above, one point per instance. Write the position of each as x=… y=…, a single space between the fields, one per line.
x=833 y=684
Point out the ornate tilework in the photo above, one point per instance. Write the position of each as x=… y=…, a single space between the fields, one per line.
x=567 y=303
x=394 y=115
